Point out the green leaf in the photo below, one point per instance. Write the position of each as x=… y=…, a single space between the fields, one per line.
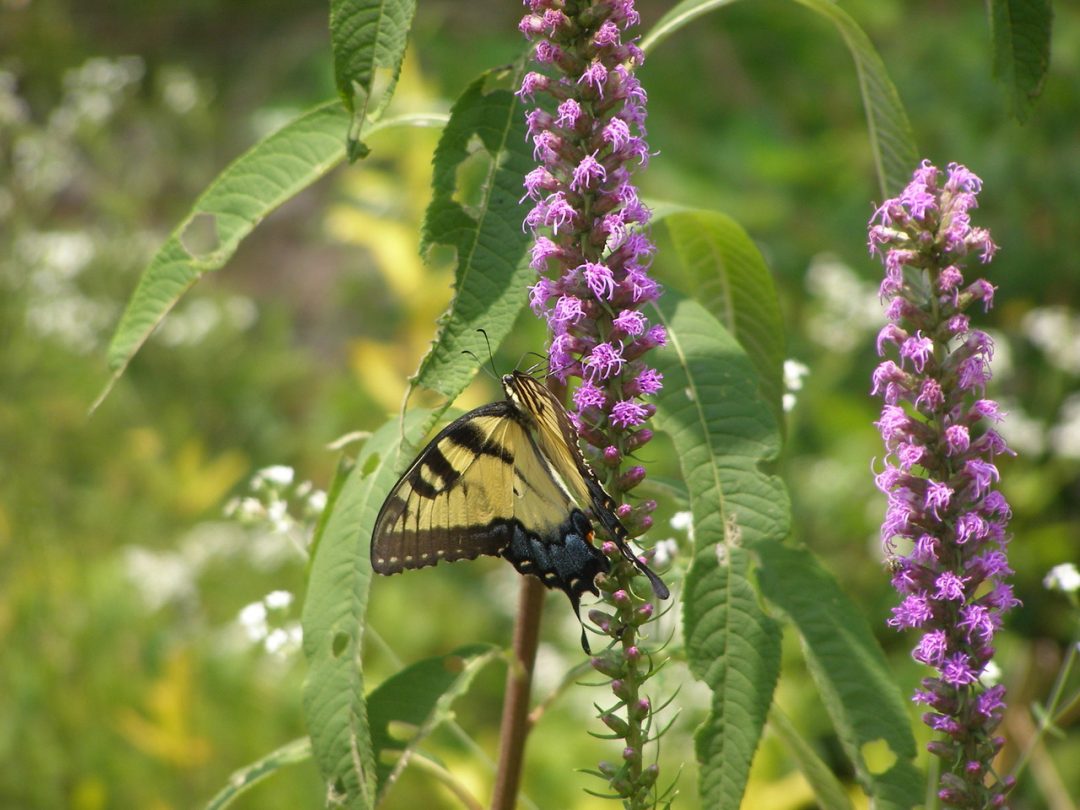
x=827 y=788
x=891 y=137
x=722 y=434
x=850 y=671
x=333 y=618
x=419 y=697
x=486 y=132
x=270 y=173
x=366 y=36
x=721 y=268
x=678 y=17
x=273 y=171
x=245 y=778
x=1021 y=33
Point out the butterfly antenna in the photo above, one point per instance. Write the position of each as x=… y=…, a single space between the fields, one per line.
x=541 y=361
x=491 y=357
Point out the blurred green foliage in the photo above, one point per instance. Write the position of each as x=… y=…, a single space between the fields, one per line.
x=126 y=676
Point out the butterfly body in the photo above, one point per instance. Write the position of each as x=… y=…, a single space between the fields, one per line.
x=506 y=479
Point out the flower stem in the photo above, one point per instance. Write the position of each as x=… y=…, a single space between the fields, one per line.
x=516 y=726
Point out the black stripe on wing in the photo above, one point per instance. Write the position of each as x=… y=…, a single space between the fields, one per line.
x=431 y=547
x=468 y=435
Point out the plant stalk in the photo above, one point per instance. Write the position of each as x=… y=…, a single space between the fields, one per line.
x=515 y=717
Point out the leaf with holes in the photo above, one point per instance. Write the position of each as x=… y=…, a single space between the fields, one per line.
x=722 y=433
x=486 y=125
x=367 y=36
x=271 y=172
x=333 y=615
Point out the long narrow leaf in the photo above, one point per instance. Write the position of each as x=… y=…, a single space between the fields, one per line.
x=269 y=174
x=419 y=697
x=678 y=17
x=891 y=137
x=333 y=620
x=367 y=36
x=827 y=789
x=1021 y=30
x=488 y=237
x=849 y=669
x=722 y=433
x=246 y=778
x=724 y=271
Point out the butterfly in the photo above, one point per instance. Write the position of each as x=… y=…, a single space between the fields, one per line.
x=507 y=480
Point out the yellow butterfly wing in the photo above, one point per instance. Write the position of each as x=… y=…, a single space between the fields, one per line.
x=482 y=486
x=558 y=442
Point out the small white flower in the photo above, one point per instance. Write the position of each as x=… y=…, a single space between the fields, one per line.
x=991 y=674
x=794 y=371
x=283 y=640
x=278 y=474
x=253 y=619
x=249 y=509
x=278 y=600
x=317 y=501
x=681 y=521
x=276 y=640
x=278 y=515
x=665 y=551
x=1064 y=578
x=161 y=577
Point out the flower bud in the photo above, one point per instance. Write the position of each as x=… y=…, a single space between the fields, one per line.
x=615 y=723
x=648 y=776
x=609 y=663
x=639 y=710
x=601 y=620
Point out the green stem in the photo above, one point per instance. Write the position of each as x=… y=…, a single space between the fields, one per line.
x=1051 y=715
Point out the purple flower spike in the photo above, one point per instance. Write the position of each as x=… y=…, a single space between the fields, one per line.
x=940 y=477
x=592 y=256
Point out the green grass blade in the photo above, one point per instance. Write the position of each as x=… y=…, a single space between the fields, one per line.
x=828 y=791
x=419 y=697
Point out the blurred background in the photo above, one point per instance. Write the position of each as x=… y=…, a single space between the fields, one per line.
x=150 y=581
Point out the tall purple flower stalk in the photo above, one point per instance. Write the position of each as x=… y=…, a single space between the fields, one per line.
x=945 y=525
x=592 y=257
